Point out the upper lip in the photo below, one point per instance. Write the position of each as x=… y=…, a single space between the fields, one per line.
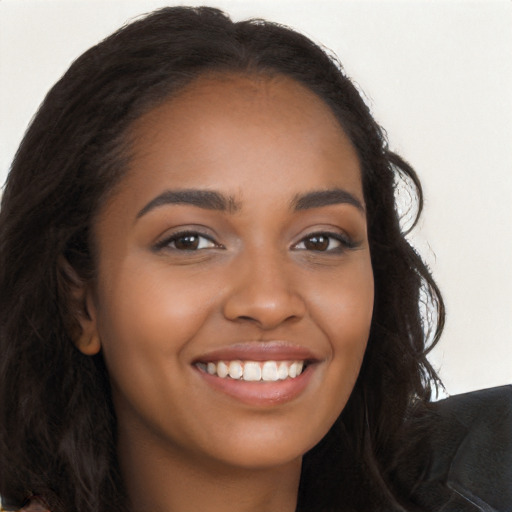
x=259 y=351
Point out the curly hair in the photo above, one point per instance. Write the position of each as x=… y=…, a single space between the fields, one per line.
x=57 y=423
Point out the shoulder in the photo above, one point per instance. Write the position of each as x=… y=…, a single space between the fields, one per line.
x=463 y=459
x=34 y=505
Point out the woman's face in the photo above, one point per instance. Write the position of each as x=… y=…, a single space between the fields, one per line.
x=236 y=243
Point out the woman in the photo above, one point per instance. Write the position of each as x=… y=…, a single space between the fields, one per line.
x=206 y=296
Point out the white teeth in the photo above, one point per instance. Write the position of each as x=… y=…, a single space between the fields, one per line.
x=269 y=371
x=282 y=371
x=235 y=369
x=222 y=369
x=296 y=368
x=254 y=371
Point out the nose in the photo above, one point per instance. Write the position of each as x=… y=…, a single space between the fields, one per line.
x=263 y=292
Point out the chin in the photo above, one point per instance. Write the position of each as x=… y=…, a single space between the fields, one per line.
x=268 y=446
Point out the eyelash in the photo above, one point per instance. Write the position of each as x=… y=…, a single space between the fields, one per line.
x=167 y=242
x=343 y=242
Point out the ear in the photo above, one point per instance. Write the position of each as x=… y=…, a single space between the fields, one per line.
x=88 y=340
x=81 y=309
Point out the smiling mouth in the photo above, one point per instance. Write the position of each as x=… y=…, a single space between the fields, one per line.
x=254 y=371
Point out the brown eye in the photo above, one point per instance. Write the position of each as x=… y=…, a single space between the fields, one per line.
x=317 y=243
x=187 y=241
x=325 y=242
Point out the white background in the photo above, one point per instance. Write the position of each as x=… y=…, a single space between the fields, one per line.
x=438 y=75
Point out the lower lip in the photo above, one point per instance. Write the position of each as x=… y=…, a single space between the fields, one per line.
x=261 y=393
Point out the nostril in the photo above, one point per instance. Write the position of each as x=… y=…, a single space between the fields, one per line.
x=266 y=322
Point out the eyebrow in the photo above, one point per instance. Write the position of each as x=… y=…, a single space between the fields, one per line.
x=319 y=198
x=211 y=200
x=207 y=199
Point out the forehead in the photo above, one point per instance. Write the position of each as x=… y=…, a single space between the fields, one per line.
x=215 y=94
x=235 y=131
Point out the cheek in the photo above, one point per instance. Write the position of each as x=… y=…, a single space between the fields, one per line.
x=146 y=320
x=343 y=308
x=344 y=303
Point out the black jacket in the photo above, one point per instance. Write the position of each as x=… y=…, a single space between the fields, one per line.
x=465 y=462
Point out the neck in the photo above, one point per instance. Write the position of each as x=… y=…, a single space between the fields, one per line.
x=170 y=481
